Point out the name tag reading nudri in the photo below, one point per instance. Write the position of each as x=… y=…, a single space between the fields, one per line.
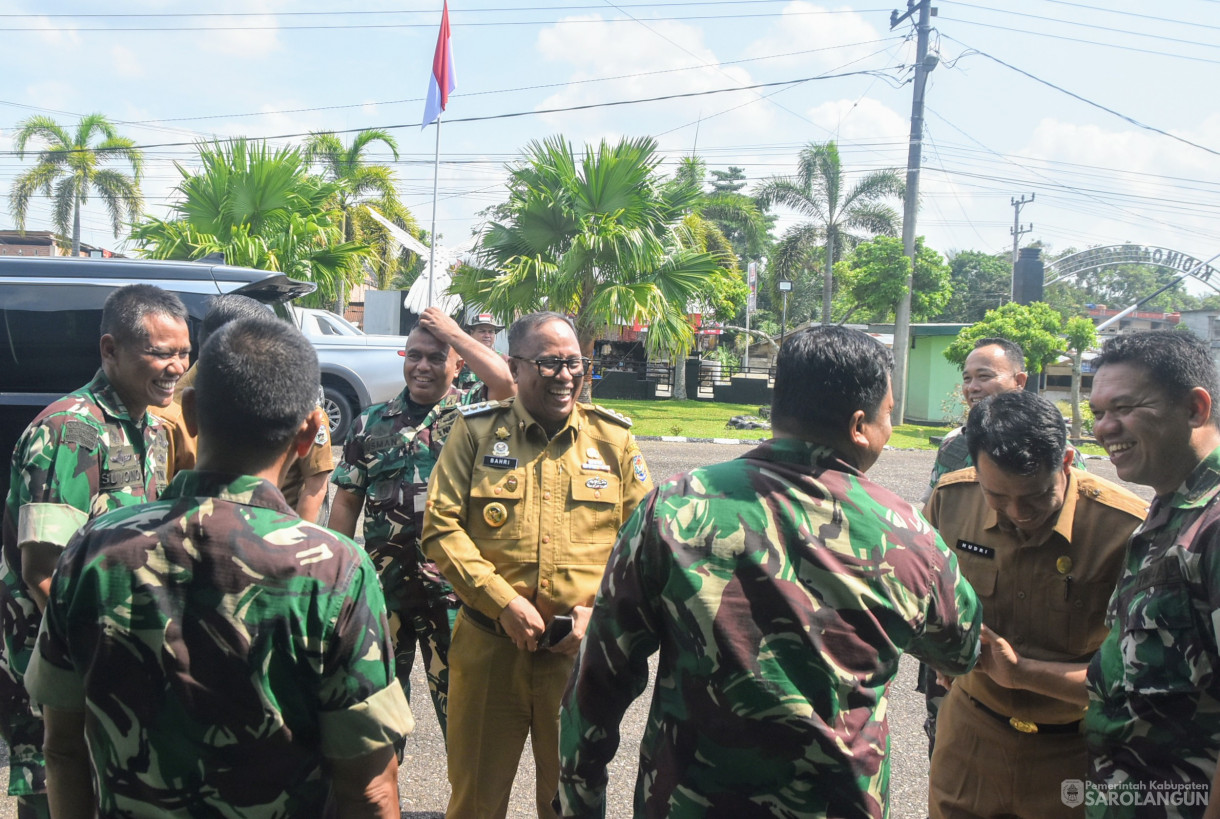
x=976 y=549
x=499 y=462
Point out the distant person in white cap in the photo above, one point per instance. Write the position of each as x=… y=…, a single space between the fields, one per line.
x=482 y=328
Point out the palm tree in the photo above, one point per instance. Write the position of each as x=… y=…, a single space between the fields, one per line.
x=599 y=236
x=842 y=218
x=362 y=183
x=261 y=209
x=68 y=169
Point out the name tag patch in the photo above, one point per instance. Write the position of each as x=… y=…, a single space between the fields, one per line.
x=499 y=462
x=976 y=549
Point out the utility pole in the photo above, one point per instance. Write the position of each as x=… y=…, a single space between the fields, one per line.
x=902 y=317
x=1017 y=232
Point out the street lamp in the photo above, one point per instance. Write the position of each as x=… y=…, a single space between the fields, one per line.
x=785 y=287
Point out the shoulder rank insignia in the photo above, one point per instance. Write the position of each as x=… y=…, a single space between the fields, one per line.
x=611 y=414
x=483 y=407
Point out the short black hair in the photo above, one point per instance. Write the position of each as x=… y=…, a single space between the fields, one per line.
x=824 y=375
x=226 y=308
x=257 y=380
x=1176 y=361
x=1012 y=351
x=124 y=311
x=524 y=326
x=1022 y=432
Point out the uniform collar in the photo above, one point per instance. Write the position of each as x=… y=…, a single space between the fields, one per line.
x=247 y=490
x=575 y=421
x=805 y=453
x=108 y=399
x=1200 y=486
x=398 y=404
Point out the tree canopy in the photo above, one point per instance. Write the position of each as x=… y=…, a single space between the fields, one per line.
x=69 y=168
x=1036 y=327
x=874 y=277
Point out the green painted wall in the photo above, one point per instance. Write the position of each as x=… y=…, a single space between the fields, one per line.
x=931 y=379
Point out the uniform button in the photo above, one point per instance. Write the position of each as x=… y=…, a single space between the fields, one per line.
x=546 y=495
x=1079 y=604
x=597 y=493
x=1020 y=595
x=542 y=584
x=546 y=538
x=498 y=490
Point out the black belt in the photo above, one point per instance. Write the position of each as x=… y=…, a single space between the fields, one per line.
x=483 y=620
x=1024 y=726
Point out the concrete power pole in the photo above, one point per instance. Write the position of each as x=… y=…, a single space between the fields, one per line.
x=902 y=317
x=1017 y=232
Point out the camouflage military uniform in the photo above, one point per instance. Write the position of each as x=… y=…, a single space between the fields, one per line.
x=781 y=589
x=388 y=459
x=82 y=456
x=952 y=455
x=1153 y=724
x=222 y=648
x=467 y=380
x=513 y=512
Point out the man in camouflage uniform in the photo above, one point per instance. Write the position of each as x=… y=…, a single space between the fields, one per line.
x=522 y=511
x=387 y=460
x=1153 y=724
x=995 y=366
x=483 y=329
x=91 y=451
x=781 y=589
x=232 y=659
x=1042 y=544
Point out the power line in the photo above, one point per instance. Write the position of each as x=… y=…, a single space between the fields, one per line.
x=1191 y=23
x=1086 y=100
x=1092 y=25
x=466 y=10
x=535 y=112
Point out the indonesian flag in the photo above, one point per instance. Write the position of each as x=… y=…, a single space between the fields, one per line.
x=441 y=82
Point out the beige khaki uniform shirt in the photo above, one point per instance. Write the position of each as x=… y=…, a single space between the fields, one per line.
x=510 y=513
x=1045 y=593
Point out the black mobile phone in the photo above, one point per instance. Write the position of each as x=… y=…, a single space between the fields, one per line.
x=560 y=627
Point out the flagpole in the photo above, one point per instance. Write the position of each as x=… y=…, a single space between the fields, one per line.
x=436 y=166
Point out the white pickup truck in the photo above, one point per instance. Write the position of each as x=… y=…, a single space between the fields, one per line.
x=358 y=369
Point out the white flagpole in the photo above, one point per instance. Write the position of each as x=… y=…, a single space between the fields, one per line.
x=436 y=165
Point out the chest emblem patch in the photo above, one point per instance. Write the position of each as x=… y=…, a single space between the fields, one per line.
x=495 y=514
x=499 y=449
x=597 y=483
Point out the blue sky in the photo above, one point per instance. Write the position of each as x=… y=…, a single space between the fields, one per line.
x=272 y=67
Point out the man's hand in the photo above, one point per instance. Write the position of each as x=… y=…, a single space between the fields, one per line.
x=523 y=623
x=440 y=325
x=999 y=660
x=580 y=621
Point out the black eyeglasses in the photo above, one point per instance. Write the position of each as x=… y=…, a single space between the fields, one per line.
x=550 y=367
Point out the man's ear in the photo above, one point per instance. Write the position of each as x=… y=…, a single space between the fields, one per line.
x=1021 y=378
x=1199 y=403
x=855 y=429
x=303 y=441
x=108 y=347
x=190 y=415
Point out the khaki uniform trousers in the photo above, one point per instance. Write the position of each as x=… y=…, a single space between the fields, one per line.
x=982 y=767
x=497 y=695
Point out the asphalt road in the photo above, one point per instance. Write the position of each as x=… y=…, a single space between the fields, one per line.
x=422 y=778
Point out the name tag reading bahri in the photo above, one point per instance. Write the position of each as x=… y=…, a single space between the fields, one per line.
x=499 y=462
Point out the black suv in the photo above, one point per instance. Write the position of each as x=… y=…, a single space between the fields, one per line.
x=51 y=311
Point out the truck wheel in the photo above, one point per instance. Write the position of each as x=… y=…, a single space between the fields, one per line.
x=338 y=411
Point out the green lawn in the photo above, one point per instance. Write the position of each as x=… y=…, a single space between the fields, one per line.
x=704 y=419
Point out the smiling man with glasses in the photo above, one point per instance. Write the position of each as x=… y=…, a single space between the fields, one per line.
x=91 y=451
x=522 y=510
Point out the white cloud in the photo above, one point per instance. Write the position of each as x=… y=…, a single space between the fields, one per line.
x=863 y=119
x=823 y=39
x=125 y=63
x=56 y=33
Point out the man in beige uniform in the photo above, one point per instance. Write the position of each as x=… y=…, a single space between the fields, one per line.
x=1042 y=543
x=523 y=508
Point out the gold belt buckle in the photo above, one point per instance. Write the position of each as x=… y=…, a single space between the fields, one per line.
x=1023 y=726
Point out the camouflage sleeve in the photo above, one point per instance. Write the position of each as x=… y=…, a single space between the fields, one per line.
x=953 y=619
x=445 y=539
x=361 y=704
x=1078 y=460
x=637 y=480
x=612 y=667
x=51 y=678
x=57 y=479
x=352 y=471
